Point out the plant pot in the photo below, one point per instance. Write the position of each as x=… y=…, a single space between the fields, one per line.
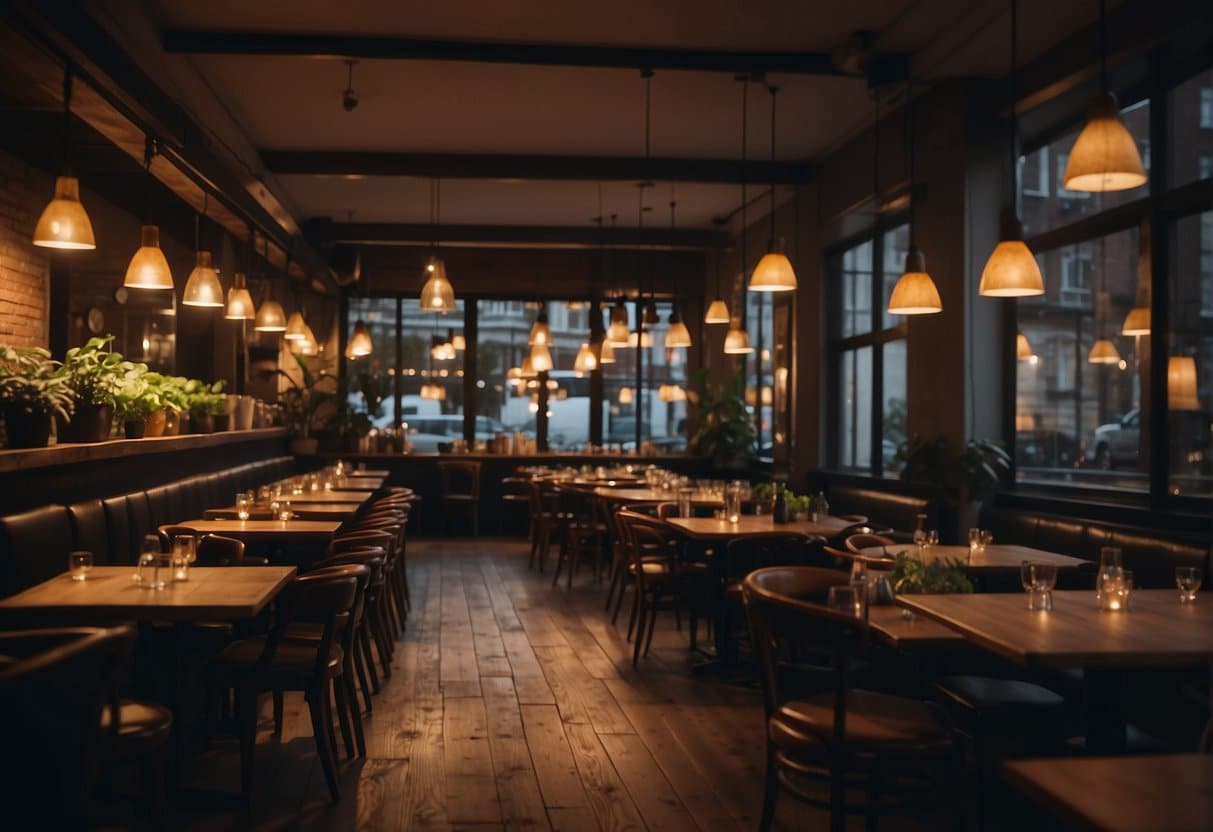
x=90 y=423
x=154 y=424
x=172 y=422
x=245 y=408
x=304 y=447
x=26 y=429
x=135 y=428
x=183 y=424
x=203 y=422
x=222 y=422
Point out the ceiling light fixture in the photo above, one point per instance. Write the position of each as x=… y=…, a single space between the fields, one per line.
x=678 y=336
x=239 y=302
x=737 y=340
x=1182 y=389
x=149 y=267
x=915 y=292
x=270 y=315
x=774 y=272
x=296 y=327
x=586 y=361
x=1023 y=349
x=617 y=332
x=606 y=353
x=541 y=358
x=437 y=295
x=360 y=344
x=349 y=98
x=625 y=395
x=1103 y=351
x=1105 y=156
x=541 y=333
x=202 y=287
x=64 y=223
x=1011 y=270
x=1137 y=322
x=717 y=311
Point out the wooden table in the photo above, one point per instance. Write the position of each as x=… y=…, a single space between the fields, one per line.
x=213 y=593
x=648 y=495
x=917 y=633
x=382 y=473
x=302 y=511
x=1158 y=793
x=262 y=529
x=1157 y=631
x=355 y=497
x=709 y=528
x=996 y=557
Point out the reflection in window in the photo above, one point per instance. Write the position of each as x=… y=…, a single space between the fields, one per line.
x=1190 y=363
x=505 y=401
x=370 y=381
x=431 y=401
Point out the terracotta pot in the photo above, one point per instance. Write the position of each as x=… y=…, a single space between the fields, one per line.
x=202 y=423
x=153 y=425
x=135 y=428
x=172 y=422
x=90 y=423
x=26 y=430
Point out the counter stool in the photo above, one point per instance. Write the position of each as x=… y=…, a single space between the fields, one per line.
x=460 y=489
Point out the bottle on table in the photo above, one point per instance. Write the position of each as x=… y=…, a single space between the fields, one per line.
x=821 y=507
x=780 y=509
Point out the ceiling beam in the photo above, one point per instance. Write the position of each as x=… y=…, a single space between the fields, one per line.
x=324 y=45
x=324 y=232
x=526 y=166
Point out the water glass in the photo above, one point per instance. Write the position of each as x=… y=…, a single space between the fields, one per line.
x=732 y=504
x=845 y=599
x=975 y=544
x=284 y=510
x=1111 y=565
x=154 y=565
x=1188 y=579
x=1114 y=585
x=185 y=552
x=244 y=505
x=1044 y=578
x=684 y=501
x=79 y=563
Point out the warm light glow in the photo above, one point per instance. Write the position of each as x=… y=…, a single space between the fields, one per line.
x=617 y=334
x=444 y=351
x=1137 y=322
x=585 y=362
x=606 y=353
x=1182 y=393
x=1023 y=349
x=295 y=327
x=1104 y=157
x=1011 y=272
x=718 y=312
x=360 y=344
x=202 y=287
x=148 y=268
x=270 y=317
x=64 y=223
x=671 y=393
x=1103 y=351
x=541 y=333
x=307 y=344
x=645 y=340
x=737 y=340
x=459 y=343
x=433 y=392
x=678 y=336
x=239 y=302
x=625 y=395
x=437 y=295
x=774 y=273
x=541 y=358
x=915 y=292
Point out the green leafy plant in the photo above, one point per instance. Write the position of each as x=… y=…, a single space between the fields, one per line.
x=31 y=382
x=973 y=474
x=171 y=389
x=724 y=428
x=942 y=576
x=136 y=397
x=798 y=503
x=93 y=372
x=763 y=491
x=303 y=400
x=204 y=399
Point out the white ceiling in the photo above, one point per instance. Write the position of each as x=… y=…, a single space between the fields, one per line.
x=295 y=103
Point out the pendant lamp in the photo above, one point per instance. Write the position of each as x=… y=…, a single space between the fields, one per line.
x=642 y=340
x=1137 y=322
x=625 y=395
x=270 y=315
x=527 y=369
x=617 y=332
x=606 y=353
x=678 y=335
x=541 y=358
x=1011 y=271
x=296 y=327
x=1182 y=392
x=915 y=292
x=64 y=224
x=774 y=272
x=307 y=344
x=541 y=333
x=718 y=312
x=437 y=295
x=149 y=267
x=360 y=344
x=585 y=362
x=202 y=288
x=459 y=343
x=1103 y=351
x=1023 y=349
x=1105 y=156
x=239 y=302
x=736 y=340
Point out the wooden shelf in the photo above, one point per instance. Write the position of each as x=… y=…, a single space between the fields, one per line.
x=26 y=459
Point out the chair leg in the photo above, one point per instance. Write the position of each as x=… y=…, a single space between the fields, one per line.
x=343 y=715
x=151 y=775
x=770 y=791
x=350 y=695
x=648 y=642
x=635 y=608
x=640 y=615
x=367 y=657
x=246 y=714
x=322 y=726
x=359 y=661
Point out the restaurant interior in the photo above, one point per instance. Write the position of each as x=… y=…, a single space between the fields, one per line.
x=556 y=416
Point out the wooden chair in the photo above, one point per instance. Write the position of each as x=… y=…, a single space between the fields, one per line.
x=621 y=554
x=581 y=533
x=895 y=751
x=460 y=491
x=745 y=554
x=380 y=621
x=516 y=496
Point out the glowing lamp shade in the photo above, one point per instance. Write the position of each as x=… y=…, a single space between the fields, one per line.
x=270 y=317
x=677 y=336
x=718 y=312
x=1104 y=157
x=915 y=292
x=1137 y=322
x=149 y=269
x=307 y=344
x=202 y=287
x=737 y=340
x=64 y=222
x=1023 y=349
x=1182 y=393
x=459 y=343
x=1011 y=272
x=586 y=361
x=606 y=353
x=644 y=340
x=541 y=333
x=360 y=344
x=296 y=327
x=774 y=273
x=541 y=358
x=617 y=334
x=1103 y=351
x=437 y=295
x=527 y=370
x=239 y=302
x=625 y=395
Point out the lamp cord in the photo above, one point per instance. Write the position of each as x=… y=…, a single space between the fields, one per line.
x=774 y=89
x=1103 y=46
x=1014 y=150
x=745 y=98
x=913 y=161
x=876 y=152
x=67 y=112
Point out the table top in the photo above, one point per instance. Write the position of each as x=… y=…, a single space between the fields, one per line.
x=1155 y=793
x=1156 y=631
x=212 y=593
x=709 y=528
x=382 y=473
x=916 y=633
x=995 y=557
x=264 y=528
x=648 y=495
x=304 y=511
x=355 y=497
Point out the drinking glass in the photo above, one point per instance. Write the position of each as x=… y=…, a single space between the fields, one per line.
x=243 y=505
x=1188 y=579
x=732 y=504
x=1025 y=575
x=1110 y=563
x=284 y=510
x=1044 y=578
x=79 y=563
x=845 y=599
x=933 y=537
x=185 y=548
x=684 y=502
x=263 y=494
x=975 y=544
x=1113 y=585
x=153 y=568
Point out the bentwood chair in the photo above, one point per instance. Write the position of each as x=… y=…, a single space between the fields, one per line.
x=896 y=752
x=460 y=492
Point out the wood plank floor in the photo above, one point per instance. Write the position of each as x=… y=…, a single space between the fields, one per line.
x=513 y=705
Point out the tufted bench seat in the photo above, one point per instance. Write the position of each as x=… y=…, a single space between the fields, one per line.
x=884 y=509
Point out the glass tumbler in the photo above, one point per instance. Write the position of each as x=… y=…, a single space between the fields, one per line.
x=1044 y=578
x=154 y=565
x=185 y=548
x=1188 y=579
x=732 y=504
x=684 y=502
x=1110 y=565
x=845 y=599
x=79 y=564
x=244 y=505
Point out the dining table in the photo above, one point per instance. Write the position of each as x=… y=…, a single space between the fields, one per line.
x=1152 y=793
x=323 y=496
x=994 y=557
x=1156 y=631
x=300 y=510
x=749 y=525
x=652 y=495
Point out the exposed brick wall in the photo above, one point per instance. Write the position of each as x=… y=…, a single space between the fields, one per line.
x=24 y=268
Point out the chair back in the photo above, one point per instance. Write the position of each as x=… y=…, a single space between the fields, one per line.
x=745 y=554
x=859 y=541
x=363 y=537
x=346 y=623
x=168 y=534
x=460 y=477
x=326 y=599
x=216 y=550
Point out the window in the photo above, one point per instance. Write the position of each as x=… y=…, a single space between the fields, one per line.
x=1034 y=173
x=504 y=402
x=760 y=379
x=1191 y=125
x=1075 y=274
x=371 y=381
x=1190 y=360
x=1206 y=108
x=869 y=355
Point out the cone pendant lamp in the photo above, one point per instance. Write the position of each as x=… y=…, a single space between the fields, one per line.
x=437 y=295
x=239 y=302
x=64 y=224
x=1182 y=392
x=296 y=327
x=202 y=288
x=1103 y=351
x=606 y=353
x=737 y=340
x=718 y=312
x=915 y=292
x=774 y=272
x=586 y=361
x=360 y=344
x=149 y=267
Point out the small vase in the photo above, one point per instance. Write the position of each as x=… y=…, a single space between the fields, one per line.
x=135 y=428
x=246 y=407
x=154 y=424
x=25 y=429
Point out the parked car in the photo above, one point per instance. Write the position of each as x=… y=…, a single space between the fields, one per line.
x=1117 y=444
x=425 y=433
x=1046 y=449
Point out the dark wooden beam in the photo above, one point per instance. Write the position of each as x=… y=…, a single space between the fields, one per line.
x=324 y=232
x=325 y=45
x=527 y=166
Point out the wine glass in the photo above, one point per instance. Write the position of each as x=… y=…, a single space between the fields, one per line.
x=1188 y=579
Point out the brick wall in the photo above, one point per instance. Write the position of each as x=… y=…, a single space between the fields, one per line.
x=24 y=268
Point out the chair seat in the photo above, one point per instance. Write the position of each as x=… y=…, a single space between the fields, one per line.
x=1000 y=698
x=292 y=659
x=875 y=722
x=142 y=727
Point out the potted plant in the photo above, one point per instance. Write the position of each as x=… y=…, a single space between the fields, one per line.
x=724 y=429
x=93 y=373
x=302 y=403
x=136 y=401
x=206 y=404
x=962 y=481
x=176 y=403
x=32 y=391
x=911 y=576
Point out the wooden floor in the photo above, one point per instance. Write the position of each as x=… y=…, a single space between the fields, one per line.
x=513 y=705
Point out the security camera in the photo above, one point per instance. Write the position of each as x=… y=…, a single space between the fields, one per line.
x=349 y=100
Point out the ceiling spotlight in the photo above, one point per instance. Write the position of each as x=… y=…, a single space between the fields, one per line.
x=349 y=98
